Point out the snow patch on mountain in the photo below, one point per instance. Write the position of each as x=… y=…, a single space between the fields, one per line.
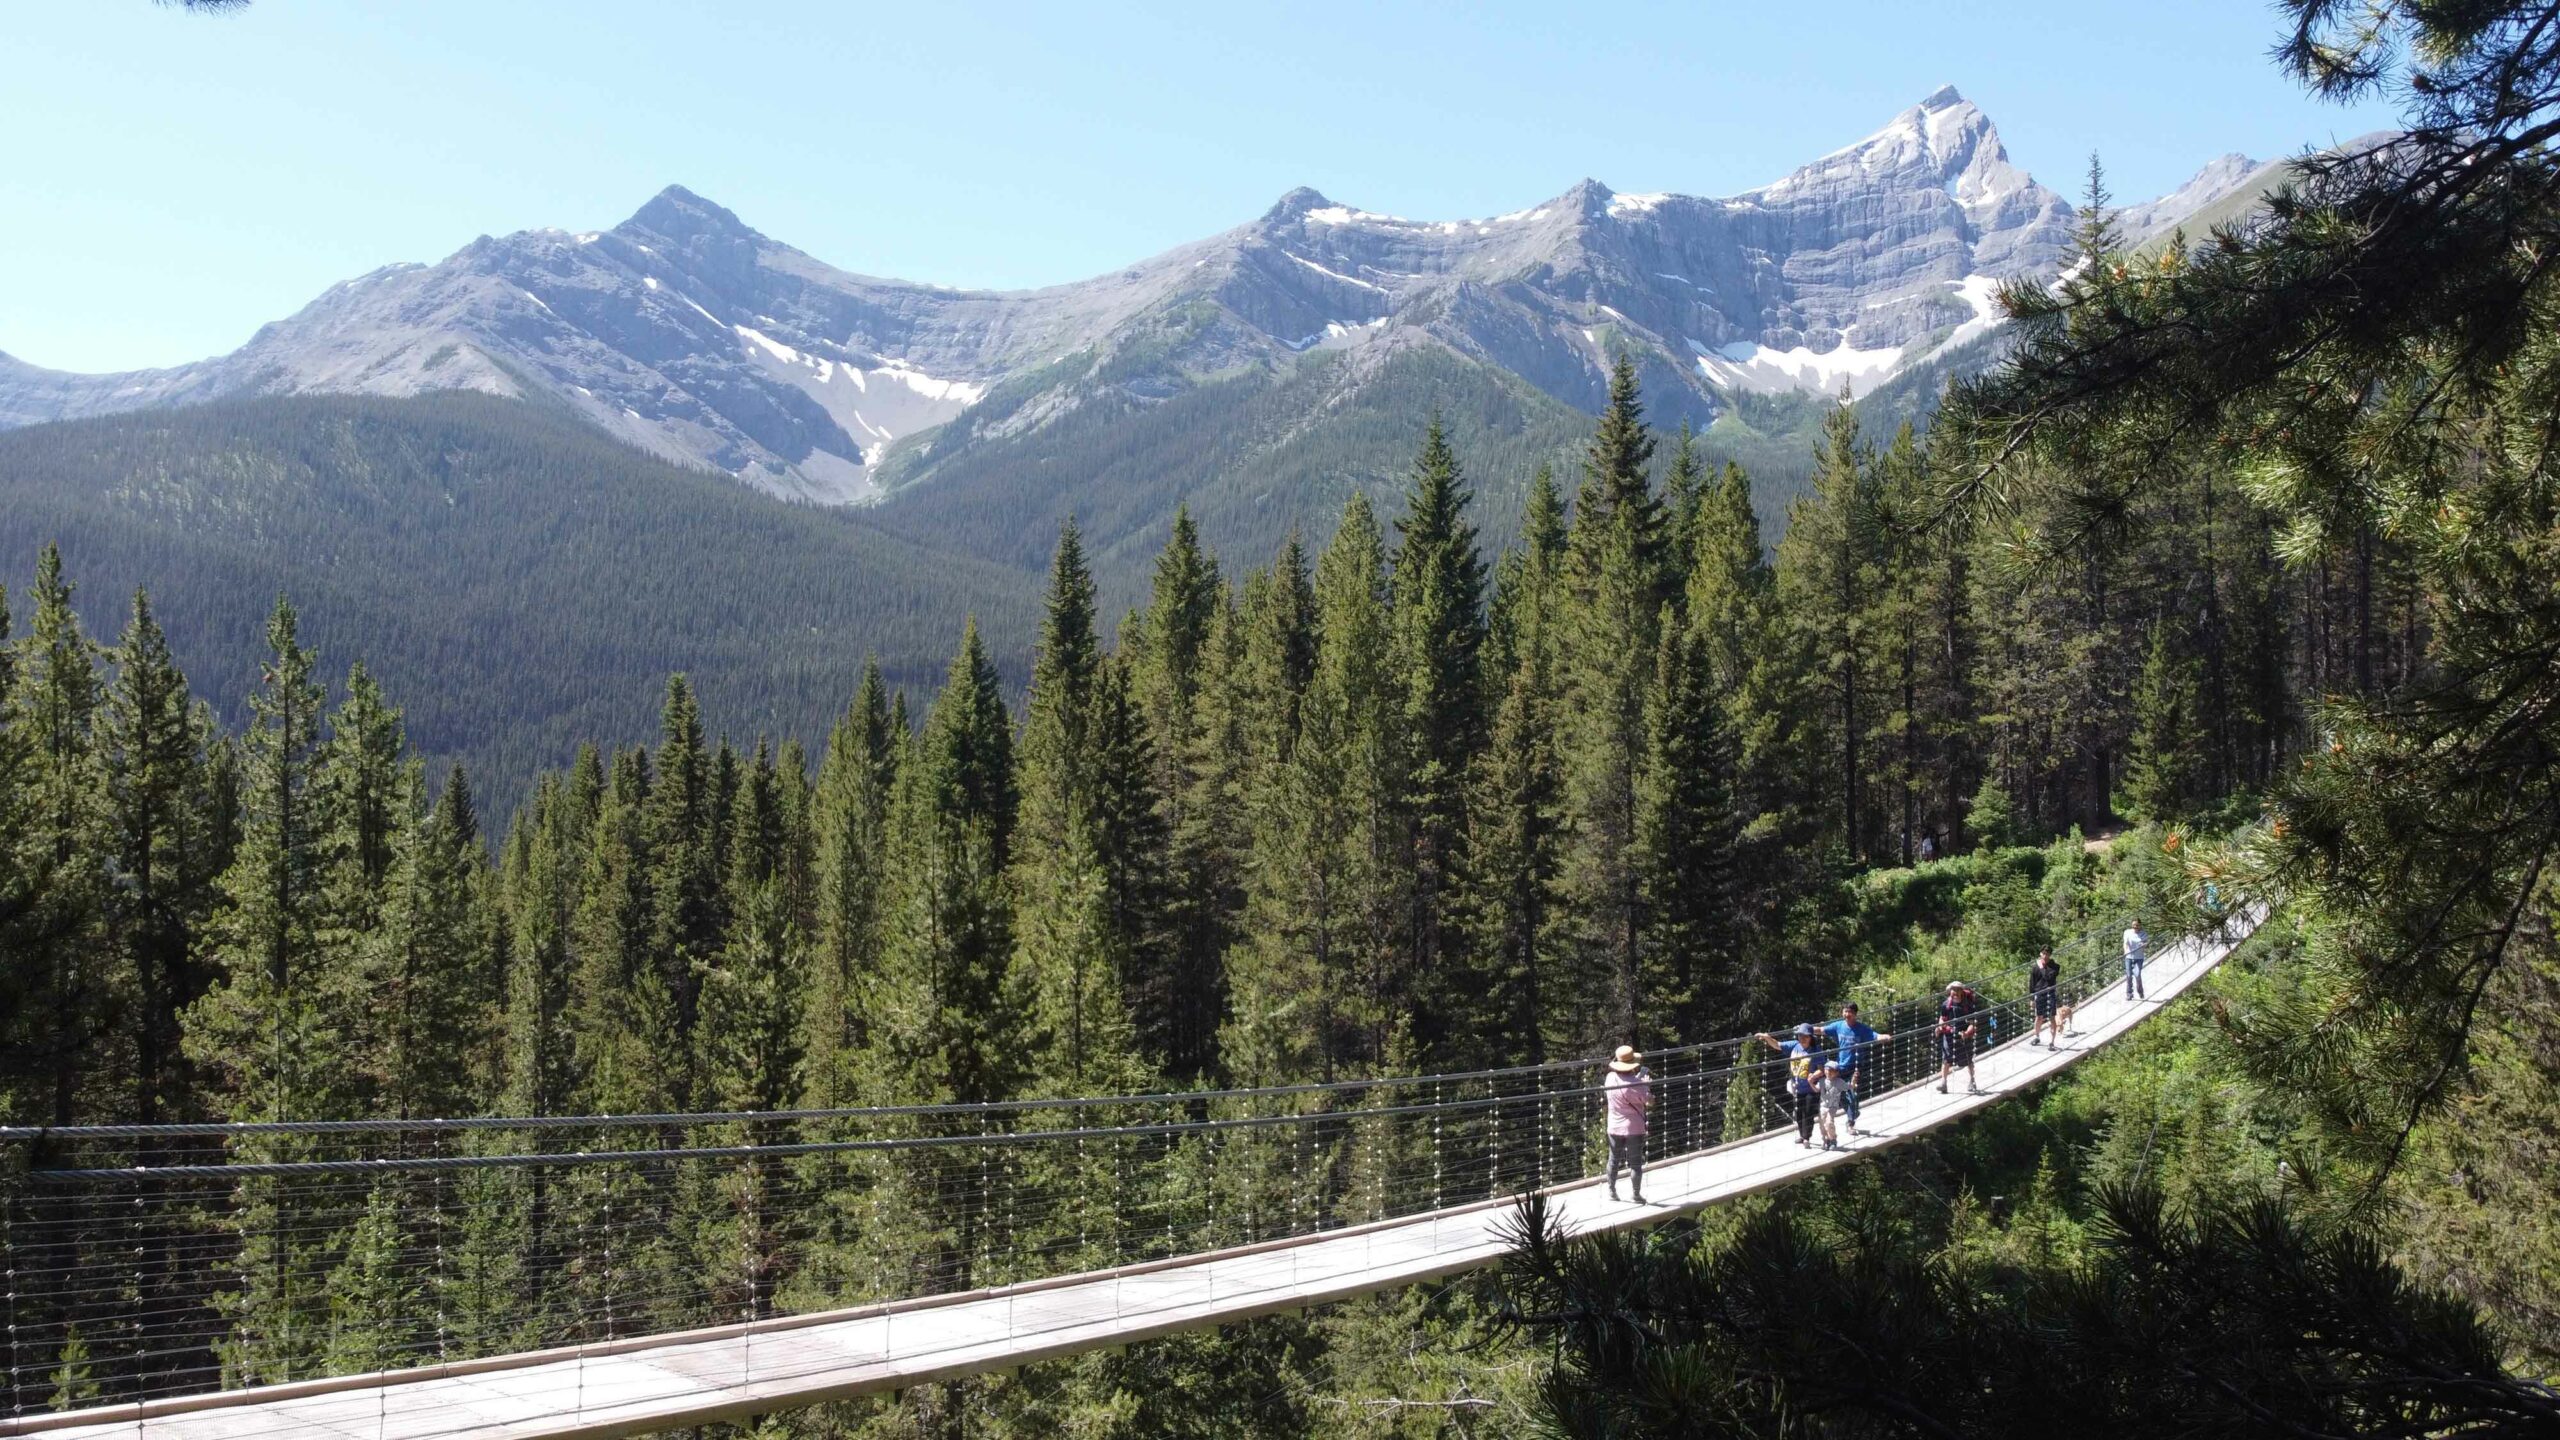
x=1764 y=369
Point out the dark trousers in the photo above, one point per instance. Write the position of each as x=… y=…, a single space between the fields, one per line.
x=1627 y=1151
x=1808 y=1105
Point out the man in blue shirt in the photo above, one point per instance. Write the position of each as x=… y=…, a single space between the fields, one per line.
x=1853 y=1042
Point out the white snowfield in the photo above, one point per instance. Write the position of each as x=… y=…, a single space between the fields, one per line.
x=705 y=1376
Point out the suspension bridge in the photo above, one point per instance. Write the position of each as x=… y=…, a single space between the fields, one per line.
x=510 y=1278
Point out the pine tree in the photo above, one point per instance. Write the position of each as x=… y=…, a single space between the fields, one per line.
x=1687 y=832
x=1077 y=950
x=945 y=1024
x=549 y=849
x=151 y=749
x=432 y=1040
x=1517 y=836
x=1828 y=577
x=52 y=946
x=373 y=1299
x=1614 y=589
x=686 y=829
x=1438 y=638
x=268 y=1027
x=274 y=1029
x=849 y=814
x=750 y=1032
x=2162 y=765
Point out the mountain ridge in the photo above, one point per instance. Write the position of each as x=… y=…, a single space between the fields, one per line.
x=686 y=332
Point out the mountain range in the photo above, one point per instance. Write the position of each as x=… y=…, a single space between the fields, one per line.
x=690 y=335
x=524 y=565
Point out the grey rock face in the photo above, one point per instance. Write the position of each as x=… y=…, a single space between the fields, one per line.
x=690 y=334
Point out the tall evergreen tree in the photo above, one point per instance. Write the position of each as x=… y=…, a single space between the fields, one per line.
x=849 y=815
x=1172 y=662
x=1438 y=638
x=1688 y=829
x=1611 y=615
x=1078 y=953
x=686 y=833
x=1517 y=836
x=2163 y=764
x=1828 y=578
x=69 y=992
x=946 y=1023
x=151 y=746
x=269 y=1026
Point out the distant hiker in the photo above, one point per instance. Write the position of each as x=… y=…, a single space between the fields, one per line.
x=1800 y=1088
x=1853 y=1044
x=2137 y=951
x=1960 y=1025
x=1838 y=1098
x=1928 y=848
x=2044 y=995
x=1628 y=1089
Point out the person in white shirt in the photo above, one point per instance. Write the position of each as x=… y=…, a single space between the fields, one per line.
x=2136 y=951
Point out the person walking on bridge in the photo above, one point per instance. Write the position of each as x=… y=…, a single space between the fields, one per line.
x=2044 y=995
x=1801 y=1093
x=1628 y=1089
x=1853 y=1044
x=2137 y=953
x=1960 y=1021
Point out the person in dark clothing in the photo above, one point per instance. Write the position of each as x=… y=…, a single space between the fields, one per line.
x=1801 y=1091
x=2044 y=996
x=1961 y=1021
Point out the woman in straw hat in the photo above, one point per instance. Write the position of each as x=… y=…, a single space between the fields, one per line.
x=1628 y=1089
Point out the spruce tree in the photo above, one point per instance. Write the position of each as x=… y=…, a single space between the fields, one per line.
x=269 y=1029
x=1172 y=665
x=686 y=830
x=2162 y=765
x=274 y=1029
x=1689 y=827
x=554 y=837
x=67 y=992
x=1611 y=613
x=1827 y=592
x=849 y=815
x=151 y=749
x=944 y=1024
x=1438 y=639
x=433 y=1025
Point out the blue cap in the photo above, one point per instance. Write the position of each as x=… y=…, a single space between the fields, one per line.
x=1805 y=1028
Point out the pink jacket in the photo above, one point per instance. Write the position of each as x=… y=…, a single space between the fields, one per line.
x=1627 y=1096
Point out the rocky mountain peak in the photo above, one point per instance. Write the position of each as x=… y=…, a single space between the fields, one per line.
x=678 y=214
x=1296 y=204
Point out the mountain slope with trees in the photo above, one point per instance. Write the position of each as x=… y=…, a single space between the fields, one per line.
x=521 y=581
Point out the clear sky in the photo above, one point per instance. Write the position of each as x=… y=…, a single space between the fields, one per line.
x=175 y=180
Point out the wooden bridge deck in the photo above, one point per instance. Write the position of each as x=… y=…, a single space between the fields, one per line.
x=664 y=1382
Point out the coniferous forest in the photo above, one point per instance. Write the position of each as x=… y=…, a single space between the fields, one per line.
x=2235 y=580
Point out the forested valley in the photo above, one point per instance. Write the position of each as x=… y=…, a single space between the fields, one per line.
x=2234 y=582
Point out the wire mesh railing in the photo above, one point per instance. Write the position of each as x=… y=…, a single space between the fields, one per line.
x=151 y=1261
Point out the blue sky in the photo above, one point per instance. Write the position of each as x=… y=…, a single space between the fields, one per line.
x=176 y=180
